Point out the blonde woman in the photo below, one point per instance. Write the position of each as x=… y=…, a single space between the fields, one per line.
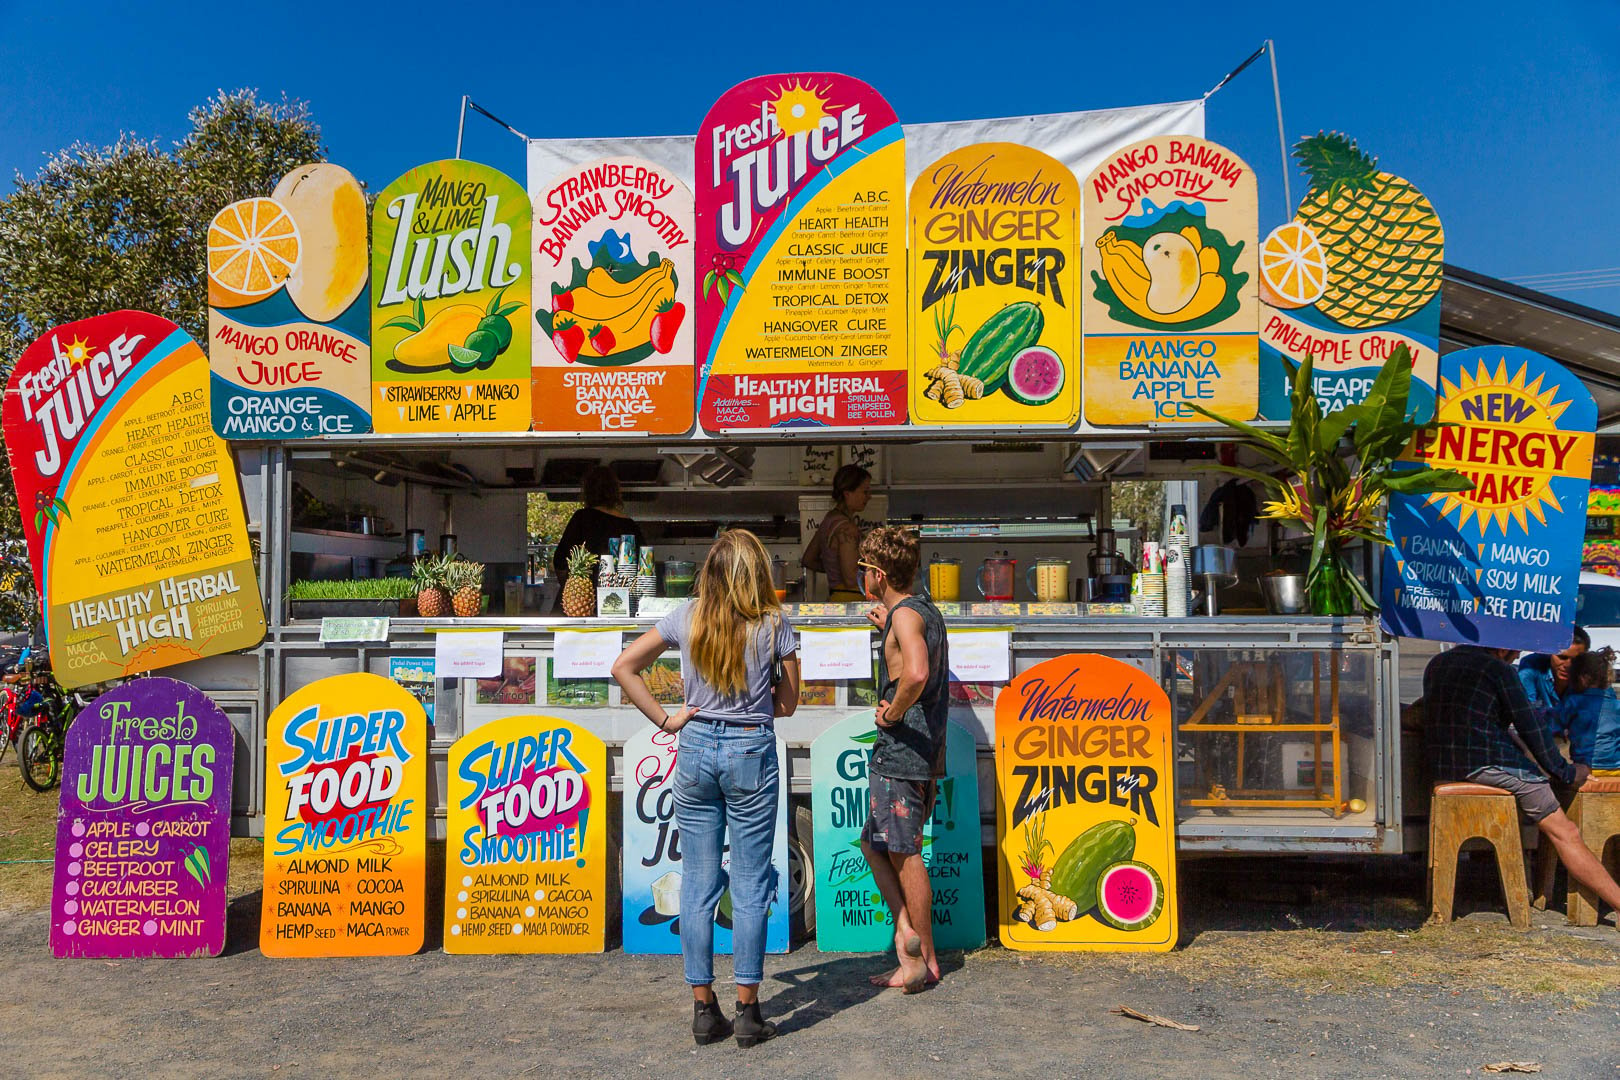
x=739 y=656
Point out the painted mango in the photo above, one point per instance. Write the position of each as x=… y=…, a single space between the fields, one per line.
x=429 y=348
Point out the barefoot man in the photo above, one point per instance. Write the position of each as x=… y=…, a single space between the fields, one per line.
x=909 y=755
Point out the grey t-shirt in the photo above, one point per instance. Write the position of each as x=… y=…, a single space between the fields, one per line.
x=773 y=639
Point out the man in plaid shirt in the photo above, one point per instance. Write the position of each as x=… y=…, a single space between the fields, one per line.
x=1475 y=717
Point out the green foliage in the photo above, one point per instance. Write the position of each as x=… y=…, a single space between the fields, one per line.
x=548 y=519
x=396 y=588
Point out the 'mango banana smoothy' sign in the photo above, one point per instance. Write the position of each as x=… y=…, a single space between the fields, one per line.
x=450 y=338
x=1171 y=309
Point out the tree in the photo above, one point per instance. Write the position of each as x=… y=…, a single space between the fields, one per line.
x=101 y=228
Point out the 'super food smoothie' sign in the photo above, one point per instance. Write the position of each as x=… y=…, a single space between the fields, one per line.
x=143 y=837
x=1355 y=274
x=130 y=502
x=994 y=308
x=1499 y=565
x=654 y=869
x=851 y=915
x=801 y=240
x=288 y=315
x=527 y=825
x=450 y=326
x=613 y=245
x=1085 y=808
x=345 y=846
x=1171 y=305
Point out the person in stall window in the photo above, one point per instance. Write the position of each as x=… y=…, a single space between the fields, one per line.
x=1590 y=713
x=1546 y=675
x=600 y=519
x=835 y=549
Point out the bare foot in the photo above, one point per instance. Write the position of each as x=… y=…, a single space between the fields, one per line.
x=895 y=979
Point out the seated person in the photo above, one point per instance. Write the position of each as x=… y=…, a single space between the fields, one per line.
x=1590 y=713
x=1545 y=675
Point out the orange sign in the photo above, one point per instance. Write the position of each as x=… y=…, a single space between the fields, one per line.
x=345 y=845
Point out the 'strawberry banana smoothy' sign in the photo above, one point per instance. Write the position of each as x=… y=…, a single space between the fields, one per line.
x=130 y=502
x=801 y=241
x=1085 y=808
x=345 y=832
x=527 y=839
x=1171 y=308
x=289 y=317
x=143 y=837
x=613 y=244
x=450 y=326
x=995 y=313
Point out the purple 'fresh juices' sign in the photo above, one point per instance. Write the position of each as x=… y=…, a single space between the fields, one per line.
x=144 y=833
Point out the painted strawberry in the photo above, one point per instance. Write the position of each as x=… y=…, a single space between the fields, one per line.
x=666 y=324
x=602 y=340
x=568 y=338
x=562 y=301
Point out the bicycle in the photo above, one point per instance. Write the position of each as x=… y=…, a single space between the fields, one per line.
x=34 y=718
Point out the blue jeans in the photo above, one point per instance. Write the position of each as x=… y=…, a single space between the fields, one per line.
x=726 y=775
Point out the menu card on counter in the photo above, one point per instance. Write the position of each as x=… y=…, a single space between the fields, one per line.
x=586 y=654
x=835 y=654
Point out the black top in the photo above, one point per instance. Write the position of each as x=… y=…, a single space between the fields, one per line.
x=593 y=528
x=1473 y=704
x=914 y=749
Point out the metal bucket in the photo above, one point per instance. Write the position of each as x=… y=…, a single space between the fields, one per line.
x=1284 y=593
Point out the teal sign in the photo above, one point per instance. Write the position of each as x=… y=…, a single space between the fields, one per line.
x=850 y=913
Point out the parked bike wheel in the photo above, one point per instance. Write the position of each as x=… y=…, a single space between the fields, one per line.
x=40 y=758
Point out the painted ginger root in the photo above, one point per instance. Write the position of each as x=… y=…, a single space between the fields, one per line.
x=1044 y=909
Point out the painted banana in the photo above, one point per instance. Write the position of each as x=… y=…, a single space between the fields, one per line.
x=591 y=307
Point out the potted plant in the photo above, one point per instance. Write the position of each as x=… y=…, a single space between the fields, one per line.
x=365 y=597
x=1335 y=497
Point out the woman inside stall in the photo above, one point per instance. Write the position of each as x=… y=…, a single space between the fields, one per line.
x=600 y=519
x=835 y=549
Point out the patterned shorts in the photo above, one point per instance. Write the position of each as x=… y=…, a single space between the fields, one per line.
x=900 y=809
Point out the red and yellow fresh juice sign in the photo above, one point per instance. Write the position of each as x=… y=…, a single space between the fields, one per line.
x=450 y=327
x=1085 y=808
x=527 y=839
x=345 y=845
x=613 y=294
x=1171 y=310
x=994 y=308
x=801 y=240
x=130 y=503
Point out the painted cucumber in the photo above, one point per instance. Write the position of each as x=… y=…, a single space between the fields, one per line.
x=990 y=351
x=1076 y=871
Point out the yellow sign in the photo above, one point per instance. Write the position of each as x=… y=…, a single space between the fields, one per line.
x=994 y=306
x=345 y=834
x=527 y=839
x=1171 y=312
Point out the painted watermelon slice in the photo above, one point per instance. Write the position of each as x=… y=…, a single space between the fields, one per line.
x=1130 y=896
x=1035 y=376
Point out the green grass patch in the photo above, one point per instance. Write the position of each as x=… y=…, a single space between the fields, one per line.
x=359 y=589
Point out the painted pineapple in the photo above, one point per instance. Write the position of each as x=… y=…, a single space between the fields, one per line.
x=467 y=581
x=432 y=602
x=1382 y=239
x=579 y=594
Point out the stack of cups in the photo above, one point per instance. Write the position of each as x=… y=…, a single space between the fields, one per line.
x=1153 y=594
x=1177 y=565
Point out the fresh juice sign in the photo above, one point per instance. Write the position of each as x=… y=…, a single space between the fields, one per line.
x=612 y=296
x=527 y=825
x=994 y=230
x=801 y=240
x=450 y=301
x=1171 y=309
x=345 y=849
x=1085 y=808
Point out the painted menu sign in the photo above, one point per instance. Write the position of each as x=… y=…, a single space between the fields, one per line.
x=1498 y=565
x=1170 y=308
x=1354 y=274
x=130 y=502
x=613 y=244
x=995 y=311
x=652 y=855
x=143 y=836
x=1085 y=808
x=851 y=915
x=289 y=319
x=801 y=238
x=345 y=845
x=527 y=839
x=450 y=328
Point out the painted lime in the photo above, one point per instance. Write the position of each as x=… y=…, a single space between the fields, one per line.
x=990 y=351
x=1076 y=871
x=1130 y=896
x=463 y=358
x=501 y=327
x=1035 y=376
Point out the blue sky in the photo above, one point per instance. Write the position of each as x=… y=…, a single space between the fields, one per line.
x=1509 y=121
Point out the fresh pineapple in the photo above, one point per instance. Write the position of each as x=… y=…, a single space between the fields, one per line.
x=1383 y=240
x=467 y=580
x=432 y=602
x=579 y=594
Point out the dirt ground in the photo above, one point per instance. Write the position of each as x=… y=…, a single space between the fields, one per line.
x=1290 y=968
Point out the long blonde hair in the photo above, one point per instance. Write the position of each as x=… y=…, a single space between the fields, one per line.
x=735 y=593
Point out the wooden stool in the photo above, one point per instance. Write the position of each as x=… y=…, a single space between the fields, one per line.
x=1596 y=811
x=1458 y=813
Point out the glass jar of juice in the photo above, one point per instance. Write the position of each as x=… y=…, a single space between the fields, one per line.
x=945 y=579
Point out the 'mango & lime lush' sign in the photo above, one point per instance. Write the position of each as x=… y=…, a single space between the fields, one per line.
x=450 y=338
